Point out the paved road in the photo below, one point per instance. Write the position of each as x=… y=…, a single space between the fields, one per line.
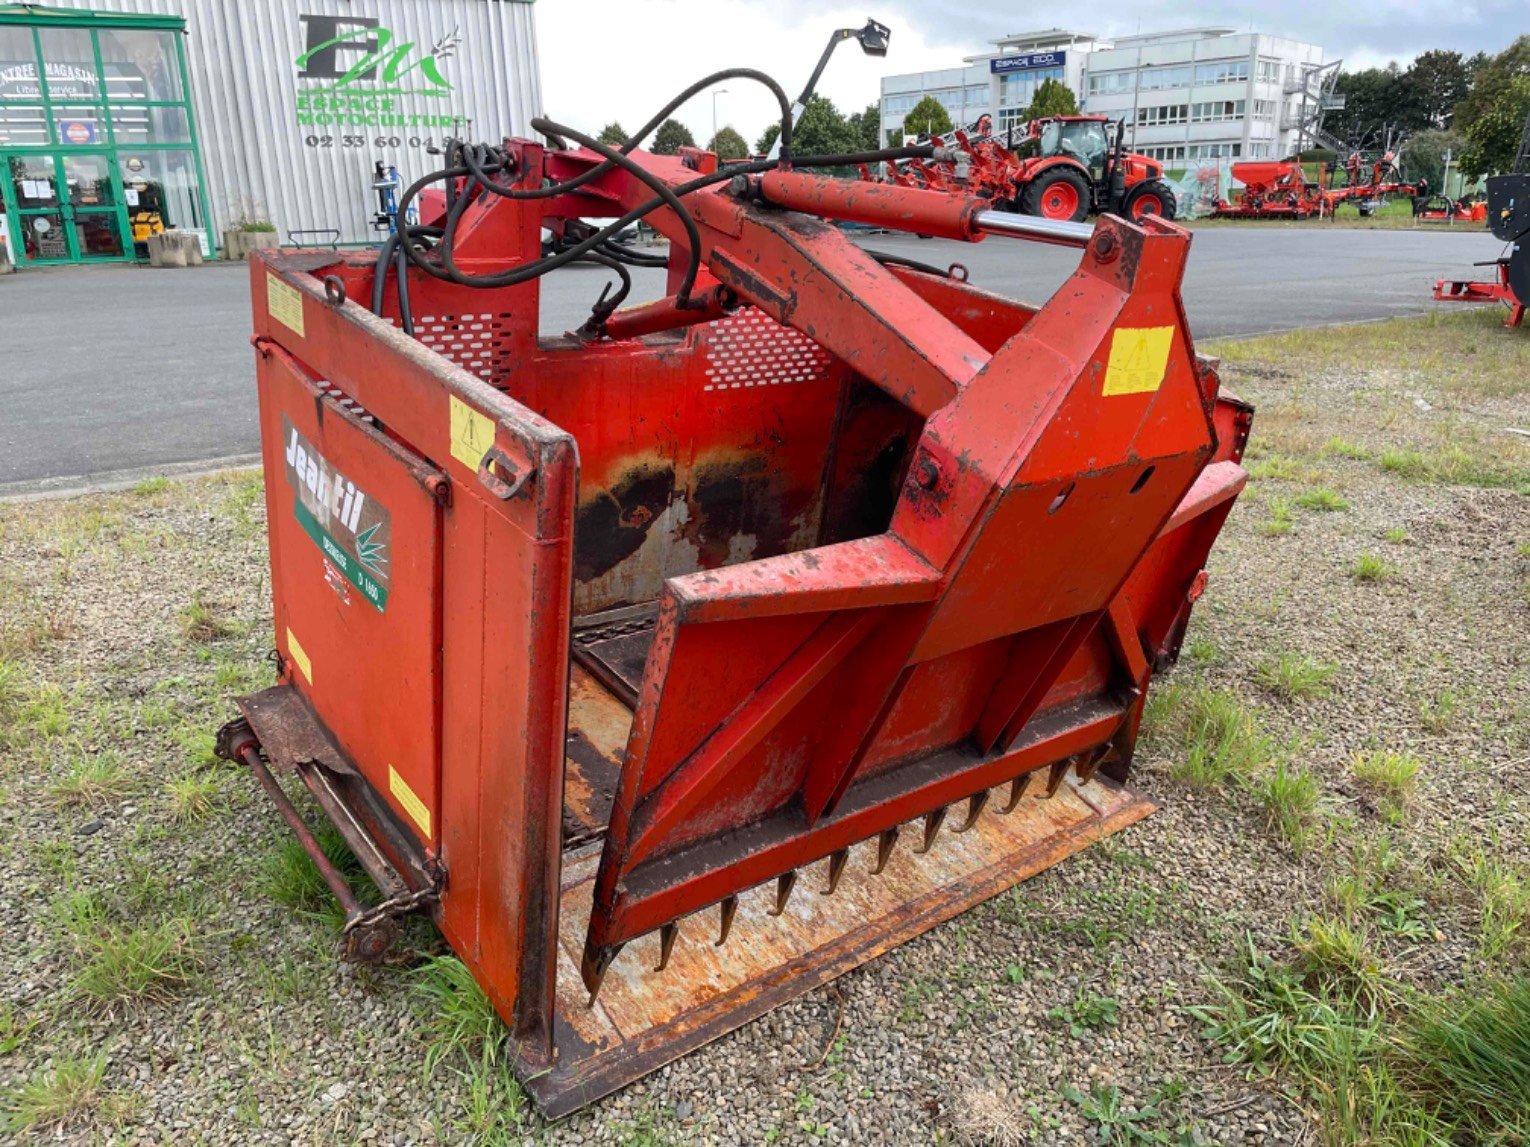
x=107 y=373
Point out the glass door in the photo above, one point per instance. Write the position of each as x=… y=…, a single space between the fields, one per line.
x=67 y=208
x=41 y=234
x=93 y=205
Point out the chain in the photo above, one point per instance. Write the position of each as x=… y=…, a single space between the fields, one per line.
x=400 y=905
x=615 y=629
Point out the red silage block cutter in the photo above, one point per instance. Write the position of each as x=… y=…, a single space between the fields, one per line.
x=595 y=648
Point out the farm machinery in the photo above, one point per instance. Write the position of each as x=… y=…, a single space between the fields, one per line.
x=682 y=663
x=1280 y=189
x=1060 y=167
x=1508 y=214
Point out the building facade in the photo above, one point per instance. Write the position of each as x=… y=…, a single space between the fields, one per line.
x=1188 y=96
x=1000 y=83
x=117 y=116
x=1202 y=93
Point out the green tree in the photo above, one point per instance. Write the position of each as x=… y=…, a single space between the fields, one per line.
x=1053 y=97
x=866 y=127
x=1423 y=155
x=1492 y=115
x=927 y=117
x=671 y=137
x=613 y=133
x=728 y=144
x=1375 y=98
x=767 y=139
x=1436 y=82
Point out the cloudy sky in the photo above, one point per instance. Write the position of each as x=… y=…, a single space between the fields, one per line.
x=622 y=59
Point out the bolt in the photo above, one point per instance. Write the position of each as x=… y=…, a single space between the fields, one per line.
x=1105 y=246
x=738 y=187
x=927 y=474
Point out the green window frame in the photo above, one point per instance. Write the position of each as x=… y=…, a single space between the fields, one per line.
x=105 y=109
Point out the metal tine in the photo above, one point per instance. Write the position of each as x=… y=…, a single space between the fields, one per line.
x=1055 y=775
x=885 y=841
x=836 y=870
x=729 y=909
x=932 y=823
x=603 y=964
x=784 y=885
x=1017 y=789
x=667 y=934
x=975 y=805
x=1087 y=769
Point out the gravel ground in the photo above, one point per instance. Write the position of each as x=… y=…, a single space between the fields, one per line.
x=1053 y=1014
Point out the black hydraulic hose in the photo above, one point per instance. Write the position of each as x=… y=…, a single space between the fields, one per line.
x=671 y=200
x=625 y=254
x=888 y=259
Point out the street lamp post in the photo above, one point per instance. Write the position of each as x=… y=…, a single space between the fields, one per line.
x=715 y=94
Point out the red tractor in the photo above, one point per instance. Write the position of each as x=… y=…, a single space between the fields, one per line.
x=1060 y=167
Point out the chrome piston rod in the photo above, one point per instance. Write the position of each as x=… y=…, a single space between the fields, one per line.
x=1058 y=231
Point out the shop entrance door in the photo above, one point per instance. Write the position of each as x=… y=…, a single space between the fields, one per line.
x=66 y=207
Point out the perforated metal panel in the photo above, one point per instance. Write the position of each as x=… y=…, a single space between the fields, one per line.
x=749 y=349
x=476 y=343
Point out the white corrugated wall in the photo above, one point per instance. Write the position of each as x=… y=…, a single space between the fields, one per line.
x=241 y=55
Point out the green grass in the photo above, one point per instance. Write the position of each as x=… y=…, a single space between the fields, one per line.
x=192 y=799
x=203 y=621
x=1279 y=522
x=150 y=486
x=1087 y=1011
x=1397 y=535
x=1290 y=798
x=1503 y=898
x=1212 y=735
x=91 y=781
x=1391 y=777
x=1467 y=1061
x=116 y=963
x=1370 y=568
x=61 y=1100
x=458 y=1018
x=1342 y=448
x=1438 y=714
x=1296 y=676
x=1321 y=499
x=291 y=878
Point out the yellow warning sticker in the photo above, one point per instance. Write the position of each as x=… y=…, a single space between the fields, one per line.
x=472 y=434
x=299 y=657
x=412 y=804
x=285 y=302
x=1139 y=358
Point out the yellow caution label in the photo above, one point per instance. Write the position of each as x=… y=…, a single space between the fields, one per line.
x=1139 y=358
x=285 y=302
x=299 y=657
x=413 y=805
x=472 y=434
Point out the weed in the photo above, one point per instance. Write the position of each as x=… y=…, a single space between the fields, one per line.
x=1392 y=777
x=1467 y=1060
x=91 y=781
x=1203 y=651
x=1321 y=499
x=1296 y=675
x=1342 y=448
x=46 y=714
x=116 y=962
x=1369 y=567
x=1337 y=961
x=1277 y=467
x=456 y=1013
x=203 y=621
x=1504 y=901
x=492 y=1104
x=291 y=878
x=1289 y=797
x=1280 y=518
x=1115 y=1122
x=151 y=486
x=1216 y=737
x=192 y=799
x=1396 y=535
x=1087 y=1012
x=63 y=1100
x=1439 y=714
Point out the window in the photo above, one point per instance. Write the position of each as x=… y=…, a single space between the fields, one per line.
x=140 y=64
x=1264 y=109
x=1216 y=111
x=1216 y=151
x=1162 y=114
x=1109 y=83
x=1165 y=154
x=1018 y=89
x=1222 y=72
x=1268 y=72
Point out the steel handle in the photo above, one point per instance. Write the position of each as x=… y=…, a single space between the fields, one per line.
x=1058 y=231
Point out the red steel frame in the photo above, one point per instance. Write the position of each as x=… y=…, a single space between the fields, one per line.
x=940 y=545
